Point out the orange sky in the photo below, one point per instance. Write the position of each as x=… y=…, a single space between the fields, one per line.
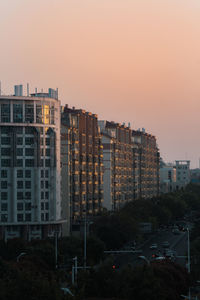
x=132 y=61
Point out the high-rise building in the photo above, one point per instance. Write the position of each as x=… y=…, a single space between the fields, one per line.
x=146 y=159
x=82 y=165
x=30 y=165
x=182 y=173
x=117 y=160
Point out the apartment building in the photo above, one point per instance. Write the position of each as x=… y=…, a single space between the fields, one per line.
x=182 y=173
x=117 y=160
x=145 y=165
x=82 y=165
x=30 y=165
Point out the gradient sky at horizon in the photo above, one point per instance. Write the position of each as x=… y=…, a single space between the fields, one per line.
x=134 y=61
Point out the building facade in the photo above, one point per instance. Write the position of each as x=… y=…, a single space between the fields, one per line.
x=167 y=178
x=182 y=173
x=117 y=160
x=146 y=159
x=82 y=164
x=30 y=165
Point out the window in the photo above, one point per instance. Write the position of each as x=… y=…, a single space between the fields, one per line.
x=5 y=113
x=29 y=151
x=47 y=206
x=29 y=163
x=42 y=217
x=28 y=173
x=5 y=130
x=42 y=205
x=4 y=207
x=42 y=173
x=46 y=184
x=48 y=141
x=20 y=206
x=27 y=217
x=20 y=217
x=47 y=152
x=41 y=162
x=29 y=141
x=19 y=173
x=4 y=218
x=29 y=113
x=52 y=114
x=4 y=184
x=47 y=162
x=5 y=151
x=5 y=140
x=39 y=118
x=29 y=130
x=20 y=184
x=20 y=195
x=28 y=184
x=42 y=184
x=19 y=162
x=19 y=141
x=19 y=151
x=28 y=195
x=46 y=114
x=46 y=195
x=42 y=195
x=4 y=196
x=47 y=216
x=19 y=130
x=4 y=174
x=47 y=173
x=28 y=206
x=5 y=162
x=17 y=113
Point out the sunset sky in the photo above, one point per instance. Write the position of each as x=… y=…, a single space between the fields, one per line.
x=134 y=61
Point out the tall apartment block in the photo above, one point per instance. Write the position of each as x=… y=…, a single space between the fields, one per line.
x=82 y=165
x=30 y=165
x=117 y=160
x=146 y=160
x=182 y=173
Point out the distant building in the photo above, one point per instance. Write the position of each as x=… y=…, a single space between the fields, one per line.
x=146 y=158
x=30 y=165
x=167 y=178
x=195 y=176
x=82 y=166
x=117 y=160
x=182 y=173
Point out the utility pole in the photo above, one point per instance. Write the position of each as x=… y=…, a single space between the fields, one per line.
x=188 y=250
x=85 y=243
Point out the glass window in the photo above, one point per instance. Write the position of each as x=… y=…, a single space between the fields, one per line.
x=19 y=141
x=41 y=162
x=47 y=141
x=4 y=207
x=5 y=140
x=20 y=195
x=4 y=218
x=46 y=114
x=5 y=130
x=42 y=205
x=46 y=195
x=27 y=217
x=19 y=151
x=47 y=205
x=29 y=141
x=19 y=173
x=4 y=196
x=46 y=184
x=4 y=174
x=5 y=162
x=42 y=195
x=52 y=115
x=29 y=163
x=20 y=184
x=17 y=113
x=29 y=130
x=47 y=217
x=42 y=173
x=39 y=118
x=19 y=162
x=28 y=173
x=20 y=206
x=29 y=113
x=19 y=130
x=28 y=195
x=29 y=151
x=4 y=184
x=28 y=206
x=28 y=184
x=5 y=113
x=42 y=217
x=46 y=173
x=42 y=184
x=20 y=217
x=47 y=162
x=5 y=151
x=47 y=152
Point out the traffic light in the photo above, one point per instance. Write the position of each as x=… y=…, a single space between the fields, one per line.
x=113 y=267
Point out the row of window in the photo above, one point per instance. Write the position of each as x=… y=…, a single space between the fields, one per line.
x=6 y=140
x=44 y=113
x=24 y=196
x=6 y=162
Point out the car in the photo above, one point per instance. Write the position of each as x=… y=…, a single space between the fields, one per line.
x=153 y=246
x=165 y=244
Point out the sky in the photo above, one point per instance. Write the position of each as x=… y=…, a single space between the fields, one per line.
x=134 y=61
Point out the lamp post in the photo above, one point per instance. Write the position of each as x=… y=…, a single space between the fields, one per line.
x=145 y=259
x=188 y=232
x=20 y=255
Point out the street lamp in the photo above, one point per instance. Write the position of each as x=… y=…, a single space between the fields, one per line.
x=20 y=255
x=188 y=232
x=145 y=259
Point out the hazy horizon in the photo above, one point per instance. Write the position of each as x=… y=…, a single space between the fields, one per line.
x=127 y=61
